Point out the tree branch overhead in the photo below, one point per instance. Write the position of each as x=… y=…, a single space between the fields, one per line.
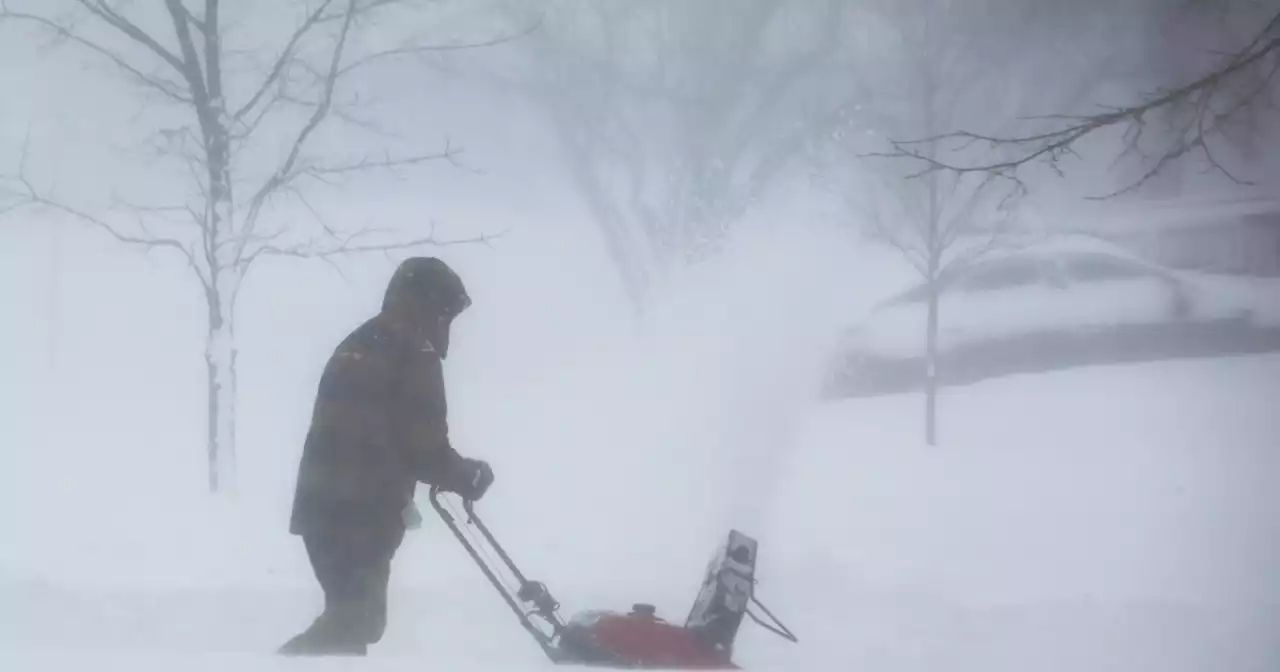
x=1201 y=99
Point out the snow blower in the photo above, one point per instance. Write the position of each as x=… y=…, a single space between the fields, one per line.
x=638 y=639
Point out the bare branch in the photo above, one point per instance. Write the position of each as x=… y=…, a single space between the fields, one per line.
x=190 y=68
x=32 y=197
x=282 y=174
x=336 y=246
x=102 y=10
x=1052 y=145
x=387 y=162
x=247 y=128
x=892 y=236
x=212 y=52
x=978 y=195
x=286 y=54
x=324 y=225
x=150 y=209
x=169 y=89
x=200 y=24
x=203 y=79
x=414 y=49
x=341 y=112
x=320 y=16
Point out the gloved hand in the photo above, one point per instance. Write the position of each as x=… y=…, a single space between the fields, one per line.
x=473 y=479
x=411 y=516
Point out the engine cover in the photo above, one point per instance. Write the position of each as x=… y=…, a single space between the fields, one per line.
x=642 y=639
x=638 y=639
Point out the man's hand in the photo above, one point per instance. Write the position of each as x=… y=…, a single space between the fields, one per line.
x=474 y=479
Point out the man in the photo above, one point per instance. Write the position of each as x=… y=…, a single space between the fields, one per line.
x=378 y=429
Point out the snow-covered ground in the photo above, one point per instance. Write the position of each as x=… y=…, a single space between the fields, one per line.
x=1113 y=520
x=1121 y=518
x=1108 y=519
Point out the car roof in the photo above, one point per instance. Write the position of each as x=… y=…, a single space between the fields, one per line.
x=1046 y=248
x=1053 y=246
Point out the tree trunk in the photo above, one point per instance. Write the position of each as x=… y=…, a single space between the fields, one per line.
x=224 y=279
x=935 y=247
x=224 y=284
x=931 y=368
x=220 y=365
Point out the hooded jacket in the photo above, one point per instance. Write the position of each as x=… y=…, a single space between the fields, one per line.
x=379 y=425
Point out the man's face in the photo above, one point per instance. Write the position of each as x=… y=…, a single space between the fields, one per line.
x=444 y=325
x=436 y=322
x=440 y=335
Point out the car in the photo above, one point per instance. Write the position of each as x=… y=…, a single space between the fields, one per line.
x=1066 y=301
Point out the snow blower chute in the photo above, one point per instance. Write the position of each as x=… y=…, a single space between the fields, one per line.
x=639 y=638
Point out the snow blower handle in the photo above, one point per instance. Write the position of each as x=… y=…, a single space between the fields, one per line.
x=532 y=592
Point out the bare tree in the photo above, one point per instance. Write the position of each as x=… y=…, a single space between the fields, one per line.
x=674 y=117
x=928 y=65
x=1229 y=99
x=232 y=111
x=941 y=225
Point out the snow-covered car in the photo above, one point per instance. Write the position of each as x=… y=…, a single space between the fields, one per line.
x=1071 y=301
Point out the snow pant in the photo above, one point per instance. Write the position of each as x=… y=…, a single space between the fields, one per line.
x=353 y=566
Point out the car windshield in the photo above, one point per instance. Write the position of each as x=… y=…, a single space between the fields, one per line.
x=1005 y=274
x=1100 y=267
x=990 y=276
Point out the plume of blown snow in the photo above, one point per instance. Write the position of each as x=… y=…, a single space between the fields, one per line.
x=736 y=355
x=666 y=436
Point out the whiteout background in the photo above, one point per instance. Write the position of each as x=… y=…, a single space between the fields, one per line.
x=1116 y=518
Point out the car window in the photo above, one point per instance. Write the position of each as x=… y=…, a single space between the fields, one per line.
x=917 y=294
x=920 y=293
x=1096 y=268
x=991 y=276
x=1002 y=275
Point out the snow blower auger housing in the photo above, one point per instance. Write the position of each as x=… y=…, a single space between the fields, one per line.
x=638 y=639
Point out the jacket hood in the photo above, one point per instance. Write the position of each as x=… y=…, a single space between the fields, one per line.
x=424 y=288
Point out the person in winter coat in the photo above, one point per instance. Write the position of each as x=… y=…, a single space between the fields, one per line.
x=378 y=429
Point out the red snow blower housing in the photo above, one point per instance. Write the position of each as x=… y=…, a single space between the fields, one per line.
x=639 y=638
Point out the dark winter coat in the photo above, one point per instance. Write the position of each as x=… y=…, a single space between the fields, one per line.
x=378 y=428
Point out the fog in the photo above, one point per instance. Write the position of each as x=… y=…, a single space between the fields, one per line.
x=687 y=228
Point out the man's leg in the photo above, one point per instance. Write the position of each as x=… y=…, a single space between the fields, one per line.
x=326 y=551
x=369 y=594
x=353 y=566
x=372 y=549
